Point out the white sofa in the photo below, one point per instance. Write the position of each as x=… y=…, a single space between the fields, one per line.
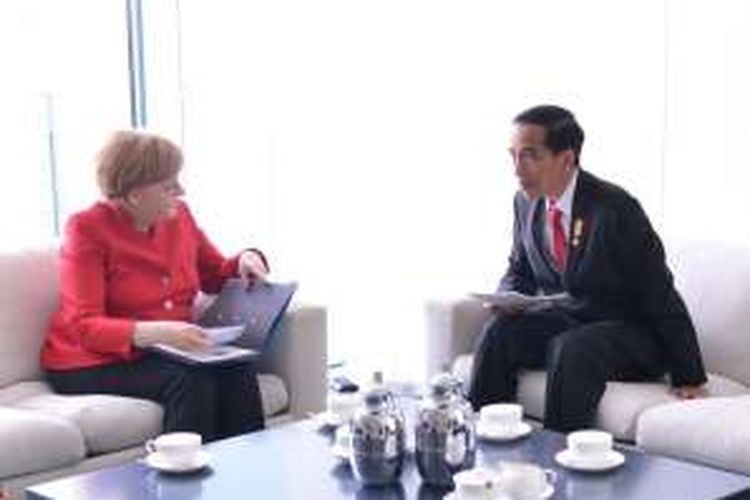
x=44 y=435
x=715 y=430
x=714 y=280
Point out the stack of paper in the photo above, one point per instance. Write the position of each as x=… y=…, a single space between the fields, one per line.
x=517 y=300
x=213 y=355
x=220 y=352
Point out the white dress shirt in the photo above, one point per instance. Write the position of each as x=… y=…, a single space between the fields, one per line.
x=565 y=204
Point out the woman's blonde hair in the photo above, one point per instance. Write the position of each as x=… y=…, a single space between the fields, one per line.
x=133 y=159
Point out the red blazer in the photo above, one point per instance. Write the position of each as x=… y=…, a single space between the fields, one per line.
x=112 y=275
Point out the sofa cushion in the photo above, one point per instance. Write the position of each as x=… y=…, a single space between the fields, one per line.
x=462 y=369
x=98 y=415
x=22 y=390
x=273 y=394
x=714 y=279
x=621 y=403
x=532 y=386
x=35 y=442
x=713 y=431
x=27 y=299
x=107 y=423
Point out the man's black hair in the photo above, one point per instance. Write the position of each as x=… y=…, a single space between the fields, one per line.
x=562 y=130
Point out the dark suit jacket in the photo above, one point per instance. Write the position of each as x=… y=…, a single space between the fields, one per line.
x=615 y=270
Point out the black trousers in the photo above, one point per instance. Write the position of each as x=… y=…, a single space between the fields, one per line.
x=579 y=358
x=215 y=401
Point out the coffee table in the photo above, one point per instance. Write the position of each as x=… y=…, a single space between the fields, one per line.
x=294 y=462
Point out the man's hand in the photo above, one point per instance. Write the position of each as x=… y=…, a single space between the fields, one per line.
x=503 y=311
x=251 y=266
x=690 y=391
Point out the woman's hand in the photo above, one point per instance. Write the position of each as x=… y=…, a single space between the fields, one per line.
x=179 y=334
x=186 y=336
x=251 y=266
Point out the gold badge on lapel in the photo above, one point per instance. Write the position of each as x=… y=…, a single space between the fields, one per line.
x=577 y=231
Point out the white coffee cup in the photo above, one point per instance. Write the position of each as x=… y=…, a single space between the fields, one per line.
x=500 y=418
x=524 y=480
x=475 y=484
x=344 y=404
x=589 y=444
x=179 y=449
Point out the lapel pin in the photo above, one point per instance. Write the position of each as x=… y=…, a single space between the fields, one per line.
x=577 y=230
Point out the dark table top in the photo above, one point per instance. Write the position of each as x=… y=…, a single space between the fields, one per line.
x=294 y=462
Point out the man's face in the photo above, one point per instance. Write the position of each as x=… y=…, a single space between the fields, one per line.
x=540 y=172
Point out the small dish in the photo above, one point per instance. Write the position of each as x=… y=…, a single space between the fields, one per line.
x=157 y=461
x=611 y=460
x=327 y=420
x=547 y=493
x=521 y=430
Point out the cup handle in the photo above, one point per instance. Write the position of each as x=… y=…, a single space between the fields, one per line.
x=150 y=446
x=551 y=476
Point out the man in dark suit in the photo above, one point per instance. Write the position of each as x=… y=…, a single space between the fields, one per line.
x=578 y=234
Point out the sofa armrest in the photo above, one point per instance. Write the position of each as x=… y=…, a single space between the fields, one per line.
x=299 y=357
x=452 y=329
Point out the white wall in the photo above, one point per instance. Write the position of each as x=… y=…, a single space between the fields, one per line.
x=363 y=144
x=707 y=174
x=63 y=71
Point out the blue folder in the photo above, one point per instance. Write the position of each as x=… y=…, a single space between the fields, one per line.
x=260 y=308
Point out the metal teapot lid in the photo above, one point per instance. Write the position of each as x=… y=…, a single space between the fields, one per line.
x=442 y=386
x=376 y=398
x=377 y=395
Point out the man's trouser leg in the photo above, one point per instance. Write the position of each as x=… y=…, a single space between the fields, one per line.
x=581 y=361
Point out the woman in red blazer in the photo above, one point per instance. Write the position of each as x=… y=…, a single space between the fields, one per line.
x=130 y=268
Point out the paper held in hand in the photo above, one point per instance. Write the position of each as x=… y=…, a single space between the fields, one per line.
x=219 y=352
x=517 y=300
x=240 y=324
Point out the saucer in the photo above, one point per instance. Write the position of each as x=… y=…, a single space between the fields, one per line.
x=609 y=461
x=521 y=430
x=327 y=420
x=454 y=496
x=156 y=461
x=547 y=493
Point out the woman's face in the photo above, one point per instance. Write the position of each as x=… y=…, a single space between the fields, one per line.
x=153 y=201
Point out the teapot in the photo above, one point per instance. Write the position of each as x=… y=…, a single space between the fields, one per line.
x=445 y=432
x=378 y=439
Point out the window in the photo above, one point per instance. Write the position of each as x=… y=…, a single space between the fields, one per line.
x=64 y=87
x=363 y=144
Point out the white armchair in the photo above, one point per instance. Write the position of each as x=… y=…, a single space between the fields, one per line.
x=717 y=301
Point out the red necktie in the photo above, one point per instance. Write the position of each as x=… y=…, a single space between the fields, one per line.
x=554 y=218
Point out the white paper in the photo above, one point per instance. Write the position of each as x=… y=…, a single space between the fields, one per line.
x=212 y=355
x=223 y=334
x=520 y=300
